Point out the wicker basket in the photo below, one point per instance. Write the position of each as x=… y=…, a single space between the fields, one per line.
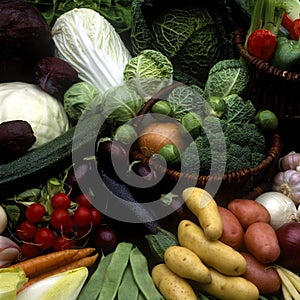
x=232 y=185
x=270 y=87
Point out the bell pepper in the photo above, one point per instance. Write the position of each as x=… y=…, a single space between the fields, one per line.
x=287 y=54
x=293 y=26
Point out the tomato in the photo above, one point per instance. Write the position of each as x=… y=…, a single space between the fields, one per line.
x=26 y=230
x=96 y=216
x=82 y=217
x=60 y=218
x=62 y=243
x=35 y=212
x=45 y=238
x=83 y=200
x=29 y=250
x=60 y=200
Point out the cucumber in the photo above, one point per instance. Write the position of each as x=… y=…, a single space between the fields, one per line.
x=160 y=241
x=49 y=159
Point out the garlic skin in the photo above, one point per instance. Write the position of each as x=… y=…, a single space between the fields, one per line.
x=290 y=161
x=9 y=251
x=288 y=183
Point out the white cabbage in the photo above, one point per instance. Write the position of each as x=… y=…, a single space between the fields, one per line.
x=28 y=102
x=90 y=44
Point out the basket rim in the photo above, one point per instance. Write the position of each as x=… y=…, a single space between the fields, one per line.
x=259 y=64
x=273 y=152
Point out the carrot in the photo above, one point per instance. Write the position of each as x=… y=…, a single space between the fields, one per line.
x=87 y=261
x=44 y=263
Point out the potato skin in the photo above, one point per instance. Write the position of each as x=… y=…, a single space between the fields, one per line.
x=215 y=254
x=249 y=211
x=261 y=241
x=233 y=232
x=171 y=286
x=264 y=277
x=205 y=208
x=185 y=263
x=226 y=287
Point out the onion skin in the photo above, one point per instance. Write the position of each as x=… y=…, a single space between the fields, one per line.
x=156 y=135
x=289 y=241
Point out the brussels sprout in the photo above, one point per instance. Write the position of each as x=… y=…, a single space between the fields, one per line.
x=125 y=134
x=215 y=106
x=161 y=107
x=170 y=153
x=77 y=98
x=266 y=120
x=192 y=123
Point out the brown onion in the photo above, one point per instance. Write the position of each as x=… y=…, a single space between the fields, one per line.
x=289 y=241
x=156 y=135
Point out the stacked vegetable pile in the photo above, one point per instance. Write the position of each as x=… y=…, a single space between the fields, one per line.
x=228 y=253
x=91 y=89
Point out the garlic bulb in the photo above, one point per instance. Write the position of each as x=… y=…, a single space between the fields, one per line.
x=290 y=161
x=288 y=183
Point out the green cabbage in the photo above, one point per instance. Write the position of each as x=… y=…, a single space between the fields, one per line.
x=90 y=44
x=152 y=68
x=229 y=76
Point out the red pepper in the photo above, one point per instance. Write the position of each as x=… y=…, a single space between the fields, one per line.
x=261 y=43
x=292 y=26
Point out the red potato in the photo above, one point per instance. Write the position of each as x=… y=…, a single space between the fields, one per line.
x=249 y=211
x=261 y=241
x=233 y=233
x=263 y=276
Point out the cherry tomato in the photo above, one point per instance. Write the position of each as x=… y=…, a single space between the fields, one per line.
x=44 y=238
x=96 y=216
x=35 y=212
x=62 y=243
x=60 y=218
x=60 y=200
x=82 y=217
x=83 y=200
x=26 y=230
x=29 y=250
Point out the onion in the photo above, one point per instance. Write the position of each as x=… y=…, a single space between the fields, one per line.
x=282 y=209
x=289 y=241
x=156 y=135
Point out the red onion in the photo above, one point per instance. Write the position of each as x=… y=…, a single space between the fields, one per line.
x=289 y=241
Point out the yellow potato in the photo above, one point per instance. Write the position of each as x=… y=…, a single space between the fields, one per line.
x=205 y=208
x=185 y=263
x=215 y=254
x=171 y=286
x=226 y=287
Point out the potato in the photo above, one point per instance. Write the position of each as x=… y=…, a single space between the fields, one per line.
x=205 y=208
x=249 y=211
x=261 y=241
x=171 y=286
x=229 y=287
x=185 y=263
x=263 y=276
x=215 y=254
x=233 y=232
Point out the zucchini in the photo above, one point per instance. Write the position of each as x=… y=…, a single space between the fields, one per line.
x=49 y=159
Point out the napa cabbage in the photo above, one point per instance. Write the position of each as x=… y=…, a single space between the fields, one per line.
x=91 y=45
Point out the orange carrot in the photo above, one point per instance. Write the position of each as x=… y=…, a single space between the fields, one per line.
x=44 y=263
x=87 y=261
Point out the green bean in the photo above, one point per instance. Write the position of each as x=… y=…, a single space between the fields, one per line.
x=141 y=296
x=92 y=288
x=139 y=265
x=128 y=289
x=115 y=271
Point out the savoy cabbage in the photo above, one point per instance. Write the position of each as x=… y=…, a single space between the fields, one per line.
x=194 y=36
